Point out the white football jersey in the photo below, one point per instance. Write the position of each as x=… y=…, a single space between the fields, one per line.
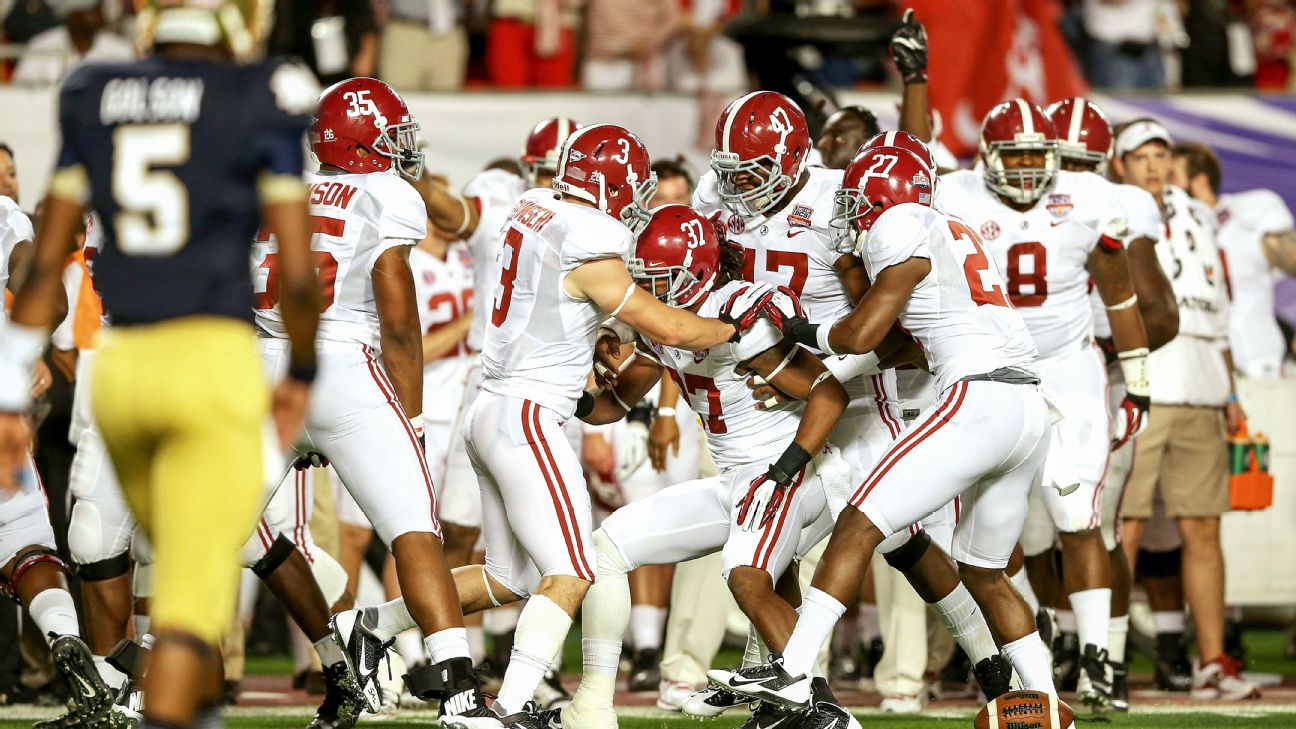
x=1043 y=253
x=495 y=193
x=959 y=312
x=539 y=343
x=1143 y=217
x=15 y=227
x=445 y=291
x=738 y=434
x=795 y=248
x=1189 y=254
x=356 y=219
x=1244 y=218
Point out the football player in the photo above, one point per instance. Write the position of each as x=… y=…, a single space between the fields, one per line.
x=178 y=392
x=744 y=510
x=1052 y=233
x=781 y=212
x=928 y=270
x=563 y=273
x=1085 y=145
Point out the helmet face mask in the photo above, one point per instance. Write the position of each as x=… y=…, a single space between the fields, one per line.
x=636 y=215
x=762 y=197
x=1080 y=155
x=399 y=143
x=1023 y=185
x=850 y=209
x=670 y=285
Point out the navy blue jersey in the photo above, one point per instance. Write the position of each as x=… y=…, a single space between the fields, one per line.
x=174 y=151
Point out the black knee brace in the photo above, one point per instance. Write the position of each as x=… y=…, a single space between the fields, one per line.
x=105 y=569
x=906 y=557
x=1160 y=564
x=281 y=550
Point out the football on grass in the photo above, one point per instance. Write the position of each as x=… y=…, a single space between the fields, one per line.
x=1025 y=710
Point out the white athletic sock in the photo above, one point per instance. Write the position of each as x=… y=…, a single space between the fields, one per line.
x=54 y=612
x=110 y=675
x=1169 y=621
x=819 y=613
x=328 y=651
x=141 y=623
x=446 y=644
x=647 y=622
x=1066 y=621
x=388 y=620
x=870 y=625
x=605 y=613
x=755 y=653
x=540 y=633
x=1092 y=610
x=1117 y=632
x=477 y=643
x=410 y=647
x=1023 y=585
x=301 y=648
x=1030 y=659
x=962 y=617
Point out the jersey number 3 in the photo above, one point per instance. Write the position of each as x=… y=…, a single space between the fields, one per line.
x=508 y=274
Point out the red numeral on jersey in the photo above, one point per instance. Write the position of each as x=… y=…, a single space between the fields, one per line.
x=694 y=384
x=325 y=265
x=512 y=243
x=1035 y=278
x=458 y=305
x=973 y=265
x=776 y=261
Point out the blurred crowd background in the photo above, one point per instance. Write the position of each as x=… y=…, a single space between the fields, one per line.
x=687 y=45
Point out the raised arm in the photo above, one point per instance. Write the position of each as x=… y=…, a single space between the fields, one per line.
x=448 y=210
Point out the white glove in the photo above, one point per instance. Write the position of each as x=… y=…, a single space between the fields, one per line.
x=632 y=450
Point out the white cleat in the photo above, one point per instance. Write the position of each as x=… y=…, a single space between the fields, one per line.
x=711 y=702
x=766 y=682
x=671 y=695
x=363 y=653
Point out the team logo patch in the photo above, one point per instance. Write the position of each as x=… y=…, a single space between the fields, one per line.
x=699 y=356
x=800 y=216
x=328 y=135
x=736 y=225
x=1059 y=206
x=989 y=230
x=1223 y=216
x=575 y=155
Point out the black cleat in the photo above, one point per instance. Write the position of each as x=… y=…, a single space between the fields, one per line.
x=363 y=652
x=90 y=703
x=1173 y=671
x=771 y=716
x=994 y=676
x=1120 y=687
x=954 y=674
x=766 y=682
x=825 y=715
x=1066 y=661
x=342 y=704
x=645 y=670
x=1097 y=693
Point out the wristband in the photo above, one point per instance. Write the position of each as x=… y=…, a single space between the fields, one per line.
x=802 y=332
x=1127 y=303
x=585 y=405
x=789 y=464
x=641 y=413
x=417 y=422
x=1134 y=367
x=20 y=348
x=665 y=412
x=821 y=339
x=303 y=373
x=1232 y=397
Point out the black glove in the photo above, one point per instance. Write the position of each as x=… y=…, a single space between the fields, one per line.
x=310 y=459
x=909 y=49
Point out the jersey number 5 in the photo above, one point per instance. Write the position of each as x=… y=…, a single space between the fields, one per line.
x=153 y=205
x=974 y=265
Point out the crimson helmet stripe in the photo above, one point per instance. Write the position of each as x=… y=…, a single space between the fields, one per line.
x=734 y=107
x=1028 y=121
x=1077 y=120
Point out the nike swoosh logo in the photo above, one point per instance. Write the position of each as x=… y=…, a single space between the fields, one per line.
x=740 y=681
x=795 y=233
x=1067 y=490
x=1056 y=223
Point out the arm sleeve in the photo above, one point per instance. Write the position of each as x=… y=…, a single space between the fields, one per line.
x=595 y=242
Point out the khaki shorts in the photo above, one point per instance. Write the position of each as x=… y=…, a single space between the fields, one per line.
x=1184 y=454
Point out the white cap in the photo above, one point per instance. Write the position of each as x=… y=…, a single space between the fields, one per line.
x=1140 y=133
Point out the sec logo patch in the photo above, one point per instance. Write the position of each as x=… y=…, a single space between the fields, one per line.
x=989 y=230
x=736 y=225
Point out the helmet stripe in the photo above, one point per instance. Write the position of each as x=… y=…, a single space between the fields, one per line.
x=1077 y=118
x=1028 y=121
x=736 y=106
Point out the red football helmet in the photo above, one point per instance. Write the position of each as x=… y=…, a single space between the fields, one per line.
x=762 y=134
x=1084 y=135
x=366 y=113
x=876 y=180
x=903 y=140
x=606 y=165
x=543 y=143
x=679 y=247
x=1018 y=126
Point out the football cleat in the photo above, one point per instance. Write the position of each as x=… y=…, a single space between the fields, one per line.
x=531 y=717
x=711 y=702
x=645 y=673
x=363 y=653
x=765 y=682
x=826 y=715
x=771 y=716
x=576 y=715
x=671 y=695
x=342 y=704
x=1120 y=687
x=551 y=694
x=994 y=676
x=90 y=703
x=1094 y=687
